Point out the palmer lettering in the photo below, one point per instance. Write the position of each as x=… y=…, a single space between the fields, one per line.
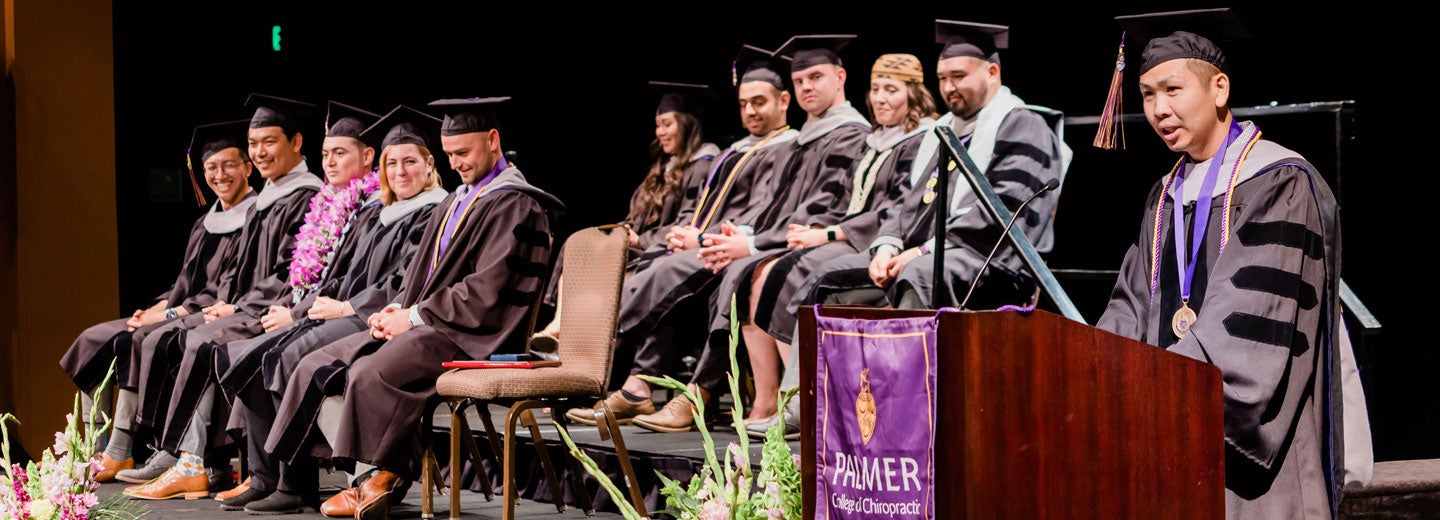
x=875 y=474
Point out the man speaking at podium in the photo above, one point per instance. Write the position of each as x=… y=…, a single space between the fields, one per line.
x=1248 y=282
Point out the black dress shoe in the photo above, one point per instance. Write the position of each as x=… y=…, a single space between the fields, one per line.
x=238 y=502
x=280 y=503
x=220 y=479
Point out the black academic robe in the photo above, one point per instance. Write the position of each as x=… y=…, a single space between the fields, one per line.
x=737 y=190
x=1027 y=155
x=209 y=252
x=204 y=350
x=475 y=299
x=678 y=209
x=811 y=189
x=779 y=301
x=1267 y=311
x=266 y=245
x=367 y=271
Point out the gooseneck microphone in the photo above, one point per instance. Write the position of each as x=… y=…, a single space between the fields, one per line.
x=1052 y=184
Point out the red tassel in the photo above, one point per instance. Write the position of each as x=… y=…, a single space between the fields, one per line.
x=1111 y=133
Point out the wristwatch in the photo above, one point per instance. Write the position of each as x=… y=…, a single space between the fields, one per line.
x=170 y=314
x=830 y=233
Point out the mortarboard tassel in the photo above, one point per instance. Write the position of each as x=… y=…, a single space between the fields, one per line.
x=1111 y=130
x=199 y=195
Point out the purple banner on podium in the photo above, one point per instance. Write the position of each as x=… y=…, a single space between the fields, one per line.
x=875 y=418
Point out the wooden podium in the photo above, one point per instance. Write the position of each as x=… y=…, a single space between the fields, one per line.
x=1040 y=416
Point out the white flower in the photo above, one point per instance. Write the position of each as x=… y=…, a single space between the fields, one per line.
x=42 y=509
x=62 y=441
x=56 y=484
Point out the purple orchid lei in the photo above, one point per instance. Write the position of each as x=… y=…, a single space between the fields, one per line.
x=329 y=211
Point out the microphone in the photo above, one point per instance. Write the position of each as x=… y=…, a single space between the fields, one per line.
x=1052 y=184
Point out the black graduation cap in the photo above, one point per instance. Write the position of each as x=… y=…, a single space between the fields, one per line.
x=209 y=139
x=687 y=98
x=809 y=50
x=976 y=40
x=284 y=113
x=342 y=120
x=467 y=115
x=756 y=64
x=405 y=125
x=1194 y=33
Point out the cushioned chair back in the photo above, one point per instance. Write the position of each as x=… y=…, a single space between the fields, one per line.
x=591 y=278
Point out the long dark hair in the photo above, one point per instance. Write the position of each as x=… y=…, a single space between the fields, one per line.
x=649 y=197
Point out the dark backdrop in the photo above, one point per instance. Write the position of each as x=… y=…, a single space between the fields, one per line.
x=581 y=118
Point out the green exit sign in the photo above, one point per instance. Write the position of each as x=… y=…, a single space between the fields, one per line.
x=275 y=38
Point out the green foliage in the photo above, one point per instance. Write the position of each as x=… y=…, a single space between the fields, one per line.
x=726 y=489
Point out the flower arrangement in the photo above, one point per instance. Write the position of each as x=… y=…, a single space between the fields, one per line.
x=723 y=491
x=330 y=210
x=62 y=485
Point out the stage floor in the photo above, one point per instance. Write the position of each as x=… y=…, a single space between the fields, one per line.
x=670 y=453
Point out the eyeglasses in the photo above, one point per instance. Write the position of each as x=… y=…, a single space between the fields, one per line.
x=227 y=166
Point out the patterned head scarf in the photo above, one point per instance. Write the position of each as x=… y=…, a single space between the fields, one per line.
x=902 y=67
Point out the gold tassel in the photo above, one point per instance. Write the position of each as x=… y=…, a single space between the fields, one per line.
x=194 y=184
x=1112 y=130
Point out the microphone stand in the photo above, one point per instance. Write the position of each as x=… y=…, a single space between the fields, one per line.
x=998 y=213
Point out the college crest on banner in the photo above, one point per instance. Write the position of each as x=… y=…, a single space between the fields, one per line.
x=875 y=418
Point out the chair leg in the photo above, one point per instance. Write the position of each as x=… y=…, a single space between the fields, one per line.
x=636 y=499
x=490 y=432
x=474 y=451
x=528 y=419
x=244 y=472
x=427 y=496
x=457 y=430
x=511 y=443
x=428 y=466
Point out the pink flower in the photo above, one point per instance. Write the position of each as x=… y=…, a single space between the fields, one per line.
x=324 y=223
x=714 y=511
x=739 y=458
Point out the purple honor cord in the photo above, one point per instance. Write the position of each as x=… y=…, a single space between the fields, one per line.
x=453 y=219
x=1202 y=213
x=719 y=162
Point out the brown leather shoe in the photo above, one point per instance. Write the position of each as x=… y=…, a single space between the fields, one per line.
x=109 y=467
x=375 y=496
x=623 y=409
x=234 y=492
x=342 y=505
x=172 y=484
x=675 y=417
